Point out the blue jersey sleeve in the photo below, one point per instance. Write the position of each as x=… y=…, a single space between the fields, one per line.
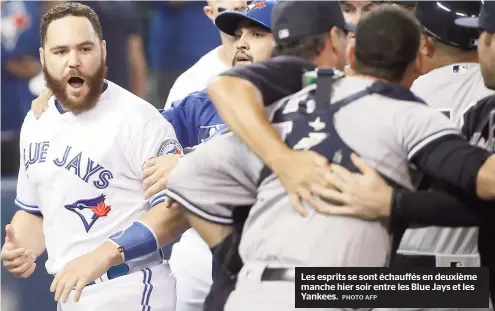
x=182 y=117
x=194 y=119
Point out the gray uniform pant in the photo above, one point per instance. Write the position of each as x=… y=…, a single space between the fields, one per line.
x=253 y=294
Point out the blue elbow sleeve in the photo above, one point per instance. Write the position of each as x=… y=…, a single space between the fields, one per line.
x=136 y=241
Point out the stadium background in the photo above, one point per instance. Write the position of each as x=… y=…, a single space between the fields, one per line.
x=174 y=36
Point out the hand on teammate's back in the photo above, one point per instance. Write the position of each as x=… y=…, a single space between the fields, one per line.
x=17 y=260
x=155 y=173
x=40 y=104
x=365 y=195
x=302 y=173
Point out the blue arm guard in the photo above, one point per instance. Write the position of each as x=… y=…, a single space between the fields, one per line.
x=136 y=241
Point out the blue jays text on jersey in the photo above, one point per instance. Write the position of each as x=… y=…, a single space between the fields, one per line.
x=71 y=160
x=194 y=119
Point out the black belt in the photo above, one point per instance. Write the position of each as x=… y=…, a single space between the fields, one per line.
x=279 y=274
x=403 y=260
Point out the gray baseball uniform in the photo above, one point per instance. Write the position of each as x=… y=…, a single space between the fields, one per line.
x=224 y=174
x=452 y=89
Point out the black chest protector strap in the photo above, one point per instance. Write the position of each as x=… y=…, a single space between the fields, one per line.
x=313 y=129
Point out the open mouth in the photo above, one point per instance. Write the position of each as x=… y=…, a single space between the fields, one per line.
x=76 y=82
x=242 y=58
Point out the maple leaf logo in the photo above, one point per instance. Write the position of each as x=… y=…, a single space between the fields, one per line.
x=89 y=210
x=260 y=5
x=101 y=209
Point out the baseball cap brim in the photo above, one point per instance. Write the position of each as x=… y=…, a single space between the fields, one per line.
x=468 y=22
x=228 y=22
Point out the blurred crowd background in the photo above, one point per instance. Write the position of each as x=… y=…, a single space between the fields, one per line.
x=149 y=44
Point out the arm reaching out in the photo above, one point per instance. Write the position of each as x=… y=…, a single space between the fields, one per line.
x=368 y=196
x=156 y=228
x=240 y=104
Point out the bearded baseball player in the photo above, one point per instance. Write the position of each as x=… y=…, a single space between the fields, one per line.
x=79 y=185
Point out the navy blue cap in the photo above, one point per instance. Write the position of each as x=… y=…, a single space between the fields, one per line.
x=438 y=18
x=485 y=21
x=298 y=19
x=258 y=12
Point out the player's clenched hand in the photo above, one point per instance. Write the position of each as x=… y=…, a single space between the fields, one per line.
x=365 y=195
x=40 y=104
x=302 y=175
x=18 y=261
x=78 y=272
x=155 y=173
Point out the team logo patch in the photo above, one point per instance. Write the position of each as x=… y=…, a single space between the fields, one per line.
x=89 y=210
x=255 y=5
x=170 y=146
x=460 y=68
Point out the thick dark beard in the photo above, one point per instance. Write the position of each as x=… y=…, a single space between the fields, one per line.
x=94 y=83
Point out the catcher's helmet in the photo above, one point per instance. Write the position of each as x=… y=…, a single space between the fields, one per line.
x=438 y=20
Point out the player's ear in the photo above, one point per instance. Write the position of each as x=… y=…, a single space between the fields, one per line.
x=427 y=46
x=209 y=13
x=334 y=39
x=42 y=57
x=104 y=49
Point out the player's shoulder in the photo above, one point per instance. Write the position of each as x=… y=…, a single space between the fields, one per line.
x=449 y=77
x=482 y=108
x=477 y=120
x=197 y=101
x=279 y=65
x=222 y=147
x=133 y=113
x=287 y=60
x=49 y=116
x=285 y=104
x=198 y=95
x=127 y=104
x=306 y=94
x=27 y=125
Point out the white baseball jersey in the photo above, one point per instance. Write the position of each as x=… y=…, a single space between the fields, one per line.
x=83 y=172
x=452 y=89
x=196 y=78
